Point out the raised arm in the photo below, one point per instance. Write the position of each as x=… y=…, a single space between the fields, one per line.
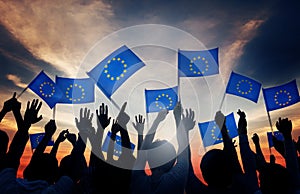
x=247 y=155
x=61 y=138
x=21 y=137
x=260 y=159
x=229 y=146
x=8 y=106
x=139 y=126
x=285 y=127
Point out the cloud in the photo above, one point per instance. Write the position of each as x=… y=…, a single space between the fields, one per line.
x=60 y=33
x=17 y=81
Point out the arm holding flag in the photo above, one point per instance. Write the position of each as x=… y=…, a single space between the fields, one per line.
x=247 y=155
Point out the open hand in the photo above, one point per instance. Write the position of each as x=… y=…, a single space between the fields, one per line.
x=285 y=127
x=188 y=119
x=84 y=124
x=31 y=113
x=102 y=116
x=139 y=124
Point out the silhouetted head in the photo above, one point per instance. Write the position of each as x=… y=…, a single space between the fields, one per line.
x=42 y=167
x=274 y=178
x=161 y=156
x=68 y=167
x=3 y=143
x=216 y=169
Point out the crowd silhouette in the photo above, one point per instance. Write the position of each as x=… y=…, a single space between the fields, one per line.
x=171 y=169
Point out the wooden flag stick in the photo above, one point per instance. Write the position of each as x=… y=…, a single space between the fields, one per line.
x=53 y=112
x=22 y=92
x=222 y=101
x=270 y=121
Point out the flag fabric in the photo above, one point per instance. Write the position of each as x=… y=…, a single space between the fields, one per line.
x=76 y=91
x=117 y=145
x=156 y=100
x=281 y=96
x=115 y=69
x=243 y=86
x=198 y=63
x=36 y=138
x=45 y=88
x=277 y=135
x=211 y=133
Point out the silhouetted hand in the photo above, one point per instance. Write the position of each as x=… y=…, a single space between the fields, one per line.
x=50 y=128
x=123 y=118
x=242 y=125
x=188 y=119
x=12 y=104
x=220 y=119
x=31 y=113
x=71 y=137
x=102 y=116
x=84 y=125
x=177 y=111
x=115 y=128
x=297 y=144
x=63 y=135
x=285 y=127
x=162 y=115
x=139 y=124
x=255 y=139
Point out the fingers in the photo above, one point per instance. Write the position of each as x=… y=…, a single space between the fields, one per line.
x=28 y=104
x=39 y=118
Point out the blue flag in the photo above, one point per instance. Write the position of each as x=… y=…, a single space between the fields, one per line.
x=277 y=135
x=76 y=91
x=198 y=63
x=211 y=133
x=115 y=69
x=281 y=96
x=243 y=86
x=36 y=138
x=45 y=88
x=156 y=100
x=117 y=145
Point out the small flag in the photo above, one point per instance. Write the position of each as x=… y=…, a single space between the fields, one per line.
x=45 y=88
x=277 y=135
x=243 y=86
x=211 y=134
x=36 y=138
x=115 y=69
x=117 y=145
x=76 y=91
x=156 y=100
x=198 y=63
x=281 y=96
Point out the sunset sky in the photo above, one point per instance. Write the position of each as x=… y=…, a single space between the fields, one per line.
x=68 y=38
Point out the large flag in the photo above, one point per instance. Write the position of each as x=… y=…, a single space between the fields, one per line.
x=243 y=86
x=117 y=144
x=281 y=96
x=36 y=138
x=277 y=135
x=156 y=100
x=45 y=88
x=211 y=133
x=115 y=69
x=76 y=91
x=198 y=63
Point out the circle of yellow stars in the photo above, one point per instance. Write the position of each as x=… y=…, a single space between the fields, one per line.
x=42 y=91
x=282 y=92
x=198 y=72
x=37 y=138
x=109 y=76
x=213 y=134
x=161 y=96
x=241 y=82
x=69 y=96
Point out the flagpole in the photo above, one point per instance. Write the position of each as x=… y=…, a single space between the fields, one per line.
x=53 y=112
x=222 y=101
x=178 y=80
x=270 y=121
x=22 y=91
x=115 y=104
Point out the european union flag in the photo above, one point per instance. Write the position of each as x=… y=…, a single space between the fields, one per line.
x=198 y=63
x=211 y=134
x=36 y=138
x=117 y=146
x=45 y=88
x=156 y=100
x=243 y=86
x=115 y=69
x=76 y=91
x=281 y=96
x=277 y=135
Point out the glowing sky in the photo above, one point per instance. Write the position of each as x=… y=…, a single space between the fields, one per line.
x=259 y=40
